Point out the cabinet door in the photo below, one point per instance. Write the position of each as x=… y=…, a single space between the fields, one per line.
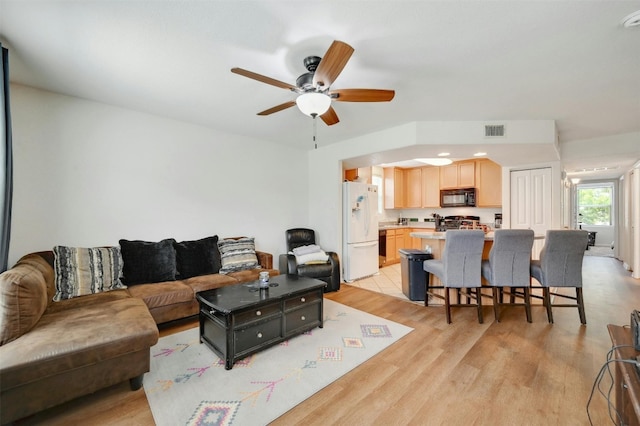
x=489 y=184
x=430 y=187
x=413 y=188
x=350 y=175
x=449 y=176
x=391 y=247
x=393 y=188
x=399 y=243
x=398 y=184
x=467 y=174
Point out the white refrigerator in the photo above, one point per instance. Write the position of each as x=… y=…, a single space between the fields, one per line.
x=360 y=230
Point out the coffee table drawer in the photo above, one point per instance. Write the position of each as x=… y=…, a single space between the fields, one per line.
x=256 y=314
x=257 y=335
x=301 y=300
x=305 y=317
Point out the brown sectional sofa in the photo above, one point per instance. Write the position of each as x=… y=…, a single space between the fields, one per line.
x=74 y=347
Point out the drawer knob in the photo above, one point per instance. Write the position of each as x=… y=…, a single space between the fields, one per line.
x=259 y=335
x=303 y=318
x=302 y=299
x=258 y=313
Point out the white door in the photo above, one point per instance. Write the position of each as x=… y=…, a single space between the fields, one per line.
x=531 y=202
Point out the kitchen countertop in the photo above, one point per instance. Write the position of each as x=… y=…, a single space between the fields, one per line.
x=433 y=235
x=425 y=225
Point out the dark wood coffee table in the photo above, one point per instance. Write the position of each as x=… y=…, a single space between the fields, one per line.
x=241 y=319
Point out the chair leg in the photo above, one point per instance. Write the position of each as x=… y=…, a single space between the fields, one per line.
x=547 y=303
x=479 y=297
x=447 y=304
x=426 y=289
x=583 y=318
x=527 y=303
x=496 y=303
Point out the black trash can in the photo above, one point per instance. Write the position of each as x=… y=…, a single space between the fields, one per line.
x=414 y=277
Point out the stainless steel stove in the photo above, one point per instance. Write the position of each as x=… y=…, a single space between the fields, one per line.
x=455 y=222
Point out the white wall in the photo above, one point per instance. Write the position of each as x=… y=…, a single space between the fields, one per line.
x=88 y=174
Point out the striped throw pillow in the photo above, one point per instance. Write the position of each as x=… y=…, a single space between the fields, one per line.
x=237 y=255
x=82 y=271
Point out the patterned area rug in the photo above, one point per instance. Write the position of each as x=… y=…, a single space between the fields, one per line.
x=188 y=384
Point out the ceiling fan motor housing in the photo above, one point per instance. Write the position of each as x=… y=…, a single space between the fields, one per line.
x=305 y=81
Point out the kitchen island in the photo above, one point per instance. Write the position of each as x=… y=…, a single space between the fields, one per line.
x=436 y=241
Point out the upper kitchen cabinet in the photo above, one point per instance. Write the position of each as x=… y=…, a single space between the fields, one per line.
x=413 y=188
x=362 y=174
x=430 y=187
x=489 y=183
x=394 y=188
x=461 y=174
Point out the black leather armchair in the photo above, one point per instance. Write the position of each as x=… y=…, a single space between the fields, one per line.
x=328 y=272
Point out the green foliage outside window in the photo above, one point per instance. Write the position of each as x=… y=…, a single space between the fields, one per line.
x=594 y=205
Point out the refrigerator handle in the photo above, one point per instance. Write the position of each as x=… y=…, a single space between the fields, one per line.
x=368 y=244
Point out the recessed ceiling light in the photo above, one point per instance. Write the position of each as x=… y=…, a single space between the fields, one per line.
x=632 y=20
x=434 y=161
x=479 y=154
x=443 y=154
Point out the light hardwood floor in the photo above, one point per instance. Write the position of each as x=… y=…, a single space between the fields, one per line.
x=507 y=373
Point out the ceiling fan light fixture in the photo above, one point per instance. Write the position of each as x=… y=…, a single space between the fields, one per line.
x=313 y=103
x=434 y=161
x=632 y=20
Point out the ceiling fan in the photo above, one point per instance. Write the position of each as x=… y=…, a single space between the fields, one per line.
x=314 y=87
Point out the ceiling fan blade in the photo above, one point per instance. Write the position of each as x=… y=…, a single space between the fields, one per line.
x=277 y=108
x=263 y=79
x=362 y=95
x=332 y=63
x=330 y=117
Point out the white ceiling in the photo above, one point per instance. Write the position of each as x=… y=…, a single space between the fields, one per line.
x=568 y=61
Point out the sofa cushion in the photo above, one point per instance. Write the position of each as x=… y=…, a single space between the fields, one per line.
x=148 y=262
x=209 y=282
x=200 y=257
x=237 y=254
x=23 y=299
x=76 y=338
x=82 y=271
x=162 y=294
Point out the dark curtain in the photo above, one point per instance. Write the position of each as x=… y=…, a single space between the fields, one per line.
x=6 y=156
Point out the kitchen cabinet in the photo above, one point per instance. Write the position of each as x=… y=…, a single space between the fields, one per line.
x=394 y=188
x=461 y=174
x=430 y=179
x=396 y=239
x=392 y=253
x=413 y=188
x=362 y=174
x=488 y=183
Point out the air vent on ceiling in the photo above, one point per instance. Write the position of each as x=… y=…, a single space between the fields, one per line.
x=494 y=130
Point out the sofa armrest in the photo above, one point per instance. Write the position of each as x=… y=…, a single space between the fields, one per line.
x=265 y=259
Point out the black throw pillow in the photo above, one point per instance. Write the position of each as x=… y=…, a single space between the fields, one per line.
x=200 y=257
x=148 y=262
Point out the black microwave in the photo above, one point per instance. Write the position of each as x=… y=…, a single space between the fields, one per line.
x=465 y=197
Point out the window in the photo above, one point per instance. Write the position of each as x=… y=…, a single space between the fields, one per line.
x=377 y=180
x=595 y=204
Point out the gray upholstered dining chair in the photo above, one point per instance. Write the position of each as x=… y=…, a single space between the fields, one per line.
x=458 y=269
x=560 y=265
x=509 y=266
